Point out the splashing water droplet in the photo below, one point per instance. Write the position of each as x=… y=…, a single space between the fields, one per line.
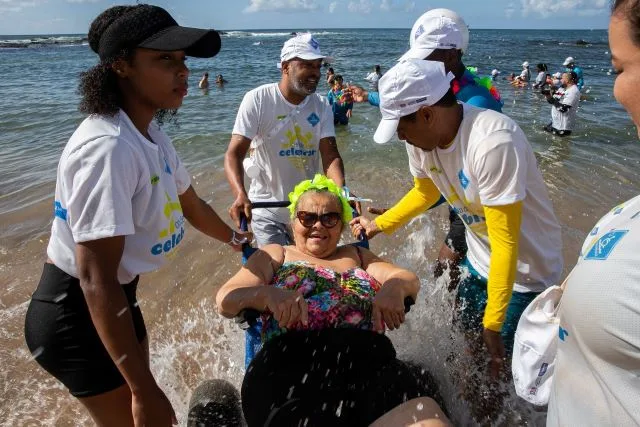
x=60 y=297
x=123 y=311
x=420 y=406
x=37 y=352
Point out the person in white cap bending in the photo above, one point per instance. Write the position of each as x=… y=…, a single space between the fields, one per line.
x=482 y=163
x=290 y=131
x=570 y=63
x=442 y=35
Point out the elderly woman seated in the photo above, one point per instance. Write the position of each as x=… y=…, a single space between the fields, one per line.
x=325 y=360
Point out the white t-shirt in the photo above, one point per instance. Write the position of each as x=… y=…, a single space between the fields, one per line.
x=567 y=120
x=111 y=182
x=541 y=78
x=525 y=75
x=490 y=163
x=373 y=78
x=285 y=142
x=597 y=375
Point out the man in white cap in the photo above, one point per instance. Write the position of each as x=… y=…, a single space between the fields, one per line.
x=442 y=35
x=290 y=131
x=482 y=163
x=570 y=63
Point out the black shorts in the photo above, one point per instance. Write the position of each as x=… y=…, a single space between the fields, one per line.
x=456 y=240
x=61 y=336
x=549 y=128
x=333 y=377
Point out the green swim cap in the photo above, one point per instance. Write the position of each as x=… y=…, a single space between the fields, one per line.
x=320 y=182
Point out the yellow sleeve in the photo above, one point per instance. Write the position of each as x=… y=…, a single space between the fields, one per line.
x=503 y=225
x=422 y=196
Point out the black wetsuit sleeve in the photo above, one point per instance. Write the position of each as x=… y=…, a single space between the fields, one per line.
x=563 y=108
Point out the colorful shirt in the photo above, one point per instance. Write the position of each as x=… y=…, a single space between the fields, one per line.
x=339 y=106
x=335 y=300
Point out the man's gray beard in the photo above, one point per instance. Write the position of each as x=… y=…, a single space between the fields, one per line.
x=299 y=88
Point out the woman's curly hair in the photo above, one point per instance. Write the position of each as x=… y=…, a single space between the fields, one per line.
x=630 y=10
x=98 y=86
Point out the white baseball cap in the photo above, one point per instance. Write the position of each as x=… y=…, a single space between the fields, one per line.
x=406 y=87
x=568 y=61
x=495 y=72
x=525 y=64
x=302 y=46
x=557 y=75
x=430 y=33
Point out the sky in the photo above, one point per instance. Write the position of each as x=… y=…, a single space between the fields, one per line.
x=74 y=16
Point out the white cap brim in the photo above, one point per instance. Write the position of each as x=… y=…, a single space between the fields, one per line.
x=565 y=63
x=416 y=53
x=386 y=129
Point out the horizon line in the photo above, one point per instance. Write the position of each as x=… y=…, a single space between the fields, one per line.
x=340 y=28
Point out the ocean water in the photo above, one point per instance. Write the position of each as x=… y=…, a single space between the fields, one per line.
x=587 y=174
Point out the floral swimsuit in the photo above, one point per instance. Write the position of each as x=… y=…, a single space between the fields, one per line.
x=335 y=300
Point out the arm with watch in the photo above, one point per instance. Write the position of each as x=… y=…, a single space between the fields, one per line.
x=205 y=219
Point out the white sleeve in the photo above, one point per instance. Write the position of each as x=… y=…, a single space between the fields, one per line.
x=500 y=167
x=248 y=117
x=327 y=129
x=415 y=162
x=100 y=181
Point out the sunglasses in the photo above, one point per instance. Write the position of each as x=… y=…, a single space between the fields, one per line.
x=308 y=219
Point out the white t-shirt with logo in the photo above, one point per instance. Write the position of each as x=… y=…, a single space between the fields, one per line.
x=567 y=120
x=490 y=163
x=285 y=143
x=597 y=375
x=112 y=181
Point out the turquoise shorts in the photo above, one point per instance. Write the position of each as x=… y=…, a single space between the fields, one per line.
x=472 y=300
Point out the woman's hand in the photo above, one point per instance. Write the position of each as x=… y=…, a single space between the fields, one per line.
x=360 y=223
x=150 y=408
x=388 y=306
x=288 y=307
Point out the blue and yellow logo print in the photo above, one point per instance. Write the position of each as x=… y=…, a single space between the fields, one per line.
x=299 y=148
x=603 y=247
x=171 y=236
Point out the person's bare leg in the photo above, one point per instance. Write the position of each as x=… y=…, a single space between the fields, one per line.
x=113 y=408
x=418 y=410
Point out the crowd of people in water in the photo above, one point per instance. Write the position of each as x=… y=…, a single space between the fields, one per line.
x=123 y=196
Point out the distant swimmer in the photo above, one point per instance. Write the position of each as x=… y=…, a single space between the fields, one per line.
x=494 y=74
x=204 y=81
x=330 y=76
x=570 y=63
x=220 y=81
